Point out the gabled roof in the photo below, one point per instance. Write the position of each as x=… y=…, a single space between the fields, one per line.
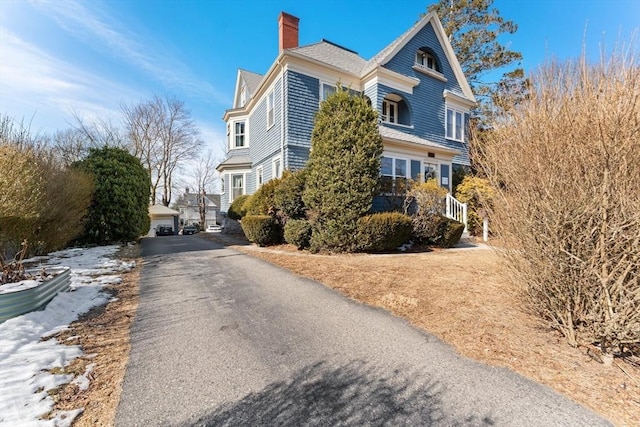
x=386 y=54
x=332 y=54
x=252 y=81
x=193 y=199
x=399 y=136
x=162 y=210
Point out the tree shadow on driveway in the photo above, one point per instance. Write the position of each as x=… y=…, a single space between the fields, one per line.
x=350 y=395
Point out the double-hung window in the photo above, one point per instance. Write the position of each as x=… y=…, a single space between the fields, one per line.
x=389 y=111
x=394 y=174
x=455 y=124
x=270 y=118
x=326 y=90
x=259 y=177
x=239 y=134
x=277 y=168
x=237 y=186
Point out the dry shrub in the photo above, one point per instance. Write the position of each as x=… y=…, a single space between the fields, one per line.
x=41 y=200
x=566 y=163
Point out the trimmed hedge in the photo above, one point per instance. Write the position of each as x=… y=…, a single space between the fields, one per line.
x=298 y=232
x=262 y=229
x=382 y=232
x=437 y=230
x=237 y=210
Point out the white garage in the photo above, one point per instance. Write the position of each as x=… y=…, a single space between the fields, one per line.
x=160 y=214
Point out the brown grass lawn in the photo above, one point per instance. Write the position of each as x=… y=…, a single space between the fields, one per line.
x=462 y=296
x=466 y=298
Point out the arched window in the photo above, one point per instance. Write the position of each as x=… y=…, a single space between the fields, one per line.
x=427 y=59
x=395 y=110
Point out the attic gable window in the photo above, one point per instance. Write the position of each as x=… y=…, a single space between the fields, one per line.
x=425 y=59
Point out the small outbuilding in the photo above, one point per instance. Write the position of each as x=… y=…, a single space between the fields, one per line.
x=160 y=214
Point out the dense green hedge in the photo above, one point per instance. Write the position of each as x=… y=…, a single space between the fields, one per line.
x=237 y=209
x=262 y=229
x=437 y=230
x=298 y=232
x=119 y=210
x=382 y=232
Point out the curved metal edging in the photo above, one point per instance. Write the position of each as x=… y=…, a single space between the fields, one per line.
x=14 y=304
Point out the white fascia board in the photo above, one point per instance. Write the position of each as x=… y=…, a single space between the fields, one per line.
x=323 y=72
x=415 y=148
x=458 y=101
x=451 y=56
x=236 y=113
x=446 y=46
x=236 y=93
x=384 y=76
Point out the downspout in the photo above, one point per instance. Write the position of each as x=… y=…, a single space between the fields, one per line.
x=284 y=165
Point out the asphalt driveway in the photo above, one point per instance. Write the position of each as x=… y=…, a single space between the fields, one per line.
x=223 y=339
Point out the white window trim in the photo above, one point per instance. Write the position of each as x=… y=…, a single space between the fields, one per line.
x=386 y=120
x=232 y=139
x=273 y=167
x=271 y=108
x=322 y=84
x=259 y=177
x=244 y=185
x=446 y=123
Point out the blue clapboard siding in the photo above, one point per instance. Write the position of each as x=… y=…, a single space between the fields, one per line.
x=427 y=101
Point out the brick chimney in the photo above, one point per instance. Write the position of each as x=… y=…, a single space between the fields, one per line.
x=288 y=31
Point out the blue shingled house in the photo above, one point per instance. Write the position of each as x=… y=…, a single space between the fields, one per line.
x=416 y=84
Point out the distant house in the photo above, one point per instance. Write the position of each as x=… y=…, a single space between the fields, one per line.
x=162 y=215
x=415 y=83
x=188 y=205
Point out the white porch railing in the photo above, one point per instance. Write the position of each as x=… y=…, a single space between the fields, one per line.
x=456 y=210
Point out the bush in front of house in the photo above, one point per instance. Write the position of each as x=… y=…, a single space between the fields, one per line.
x=298 y=232
x=436 y=230
x=262 y=230
x=262 y=201
x=478 y=194
x=384 y=231
x=343 y=170
x=237 y=210
x=288 y=196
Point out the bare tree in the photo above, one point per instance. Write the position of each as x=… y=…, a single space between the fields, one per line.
x=99 y=132
x=164 y=137
x=205 y=177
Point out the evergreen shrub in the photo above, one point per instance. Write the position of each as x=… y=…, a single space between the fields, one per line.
x=237 y=210
x=436 y=230
x=298 y=232
x=382 y=232
x=262 y=230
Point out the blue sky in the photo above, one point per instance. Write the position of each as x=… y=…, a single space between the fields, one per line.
x=91 y=56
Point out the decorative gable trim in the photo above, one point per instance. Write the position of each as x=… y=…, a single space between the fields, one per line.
x=444 y=42
x=456 y=100
x=384 y=76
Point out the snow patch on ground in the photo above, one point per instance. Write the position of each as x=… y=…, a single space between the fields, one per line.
x=25 y=358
